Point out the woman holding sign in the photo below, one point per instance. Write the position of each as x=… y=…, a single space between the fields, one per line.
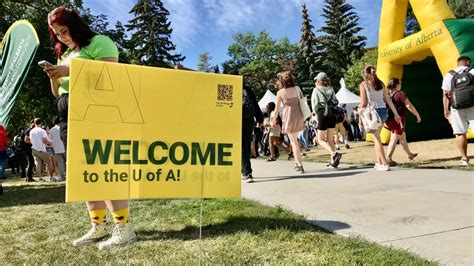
x=73 y=38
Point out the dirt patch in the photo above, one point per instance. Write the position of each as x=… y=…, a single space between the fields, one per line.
x=431 y=154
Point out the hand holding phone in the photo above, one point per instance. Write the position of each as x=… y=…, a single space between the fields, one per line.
x=44 y=64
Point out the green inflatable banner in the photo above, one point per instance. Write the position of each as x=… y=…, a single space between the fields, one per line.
x=17 y=50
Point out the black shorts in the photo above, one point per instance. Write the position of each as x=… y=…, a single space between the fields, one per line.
x=325 y=122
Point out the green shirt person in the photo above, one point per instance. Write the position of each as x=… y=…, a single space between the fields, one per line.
x=73 y=38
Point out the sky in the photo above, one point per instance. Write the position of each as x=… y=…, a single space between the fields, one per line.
x=201 y=26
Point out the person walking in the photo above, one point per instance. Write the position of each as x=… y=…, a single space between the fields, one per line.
x=73 y=38
x=274 y=133
x=39 y=140
x=354 y=121
x=250 y=113
x=400 y=101
x=373 y=92
x=29 y=153
x=322 y=97
x=58 y=147
x=293 y=121
x=459 y=117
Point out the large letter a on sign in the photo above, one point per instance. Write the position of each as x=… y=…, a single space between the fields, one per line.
x=116 y=99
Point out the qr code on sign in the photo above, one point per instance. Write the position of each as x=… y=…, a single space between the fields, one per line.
x=225 y=92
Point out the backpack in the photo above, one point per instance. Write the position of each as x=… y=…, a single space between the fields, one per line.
x=332 y=109
x=462 y=89
x=19 y=144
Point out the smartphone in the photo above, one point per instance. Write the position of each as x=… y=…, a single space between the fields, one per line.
x=44 y=63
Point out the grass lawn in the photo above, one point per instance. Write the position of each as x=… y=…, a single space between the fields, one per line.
x=442 y=154
x=37 y=227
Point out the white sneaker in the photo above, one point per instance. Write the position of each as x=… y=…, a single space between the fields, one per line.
x=96 y=233
x=55 y=179
x=383 y=167
x=464 y=162
x=122 y=234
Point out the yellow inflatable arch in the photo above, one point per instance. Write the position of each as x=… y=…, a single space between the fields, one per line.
x=442 y=39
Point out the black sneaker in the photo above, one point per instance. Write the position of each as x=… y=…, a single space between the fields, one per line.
x=347 y=146
x=335 y=159
x=29 y=180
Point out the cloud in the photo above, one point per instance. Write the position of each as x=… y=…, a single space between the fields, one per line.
x=116 y=10
x=233 y=15
x=185 y=21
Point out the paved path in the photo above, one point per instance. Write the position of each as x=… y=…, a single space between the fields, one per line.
x=428 y=212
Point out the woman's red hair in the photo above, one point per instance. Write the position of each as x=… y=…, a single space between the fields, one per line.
x=81 y=33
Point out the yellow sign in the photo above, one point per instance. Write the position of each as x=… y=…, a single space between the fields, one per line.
x=140 y=132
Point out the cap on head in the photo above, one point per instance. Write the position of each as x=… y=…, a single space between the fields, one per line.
x=321 y=76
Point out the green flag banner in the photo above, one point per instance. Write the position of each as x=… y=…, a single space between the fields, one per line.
x=17 y=50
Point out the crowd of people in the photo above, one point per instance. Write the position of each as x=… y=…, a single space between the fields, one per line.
x=331 y=124
x=42 y=149
x=36 y=150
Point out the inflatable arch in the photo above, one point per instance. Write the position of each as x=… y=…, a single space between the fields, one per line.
x=422 y=59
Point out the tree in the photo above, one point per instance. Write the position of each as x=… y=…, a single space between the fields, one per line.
x=353 y=75
x=119 y=36
x=35 y=98
x=203 y=64
x=308 y=57
x=215 y=69
x=259 y=59
x=151 y=37
x=461 y=9
x=342 y=44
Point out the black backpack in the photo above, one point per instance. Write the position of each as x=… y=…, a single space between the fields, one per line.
x=19 y=144
x=462 y=89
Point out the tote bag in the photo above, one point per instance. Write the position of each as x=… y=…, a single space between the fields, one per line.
x=305 y=111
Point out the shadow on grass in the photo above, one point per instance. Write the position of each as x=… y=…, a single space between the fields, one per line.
x=31 y=195
x=331 y=174
x=237 y=224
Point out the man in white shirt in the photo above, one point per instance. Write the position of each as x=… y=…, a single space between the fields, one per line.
x=458 y=118
x=59 y=150
x=39 y=139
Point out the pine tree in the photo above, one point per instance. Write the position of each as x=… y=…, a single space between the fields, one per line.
x=203 y=64
x=342 y=44
x=308 y=58
x=151 y=38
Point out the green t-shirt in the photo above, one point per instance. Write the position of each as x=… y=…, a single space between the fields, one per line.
x=100 y=47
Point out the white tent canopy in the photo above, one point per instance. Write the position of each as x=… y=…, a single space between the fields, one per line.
x=268 y=97
x=346 y=96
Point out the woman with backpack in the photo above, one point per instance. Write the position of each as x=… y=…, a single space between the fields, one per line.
x=374 y=95
x=293 y=121
x=322 y=99
x=400 y=100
